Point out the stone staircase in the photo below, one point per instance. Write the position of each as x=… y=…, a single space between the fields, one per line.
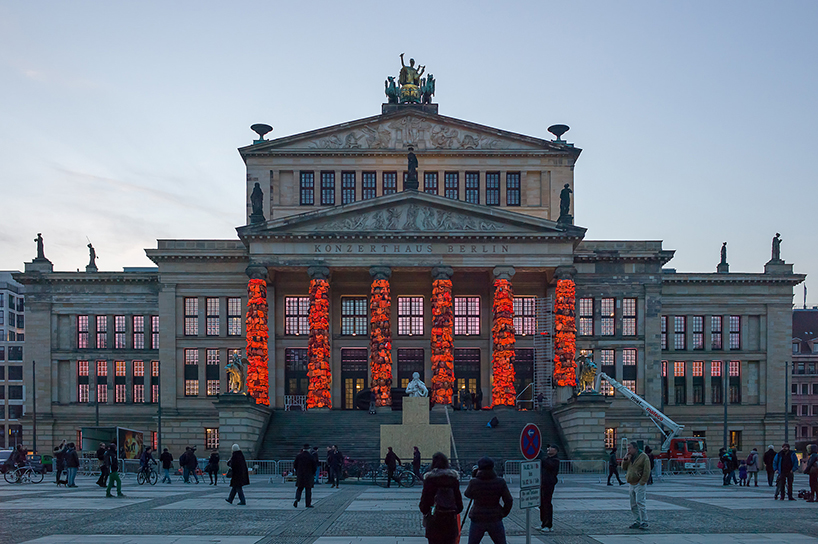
x=357 y=433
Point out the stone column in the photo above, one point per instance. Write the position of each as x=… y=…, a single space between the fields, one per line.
x=565 y=334
x=319 y=350
x=257 y=333
x=380 y=336
x=271 y=339
x=443 y=380
x=502 y=332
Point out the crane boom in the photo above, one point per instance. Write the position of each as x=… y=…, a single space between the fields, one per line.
x=655 y=415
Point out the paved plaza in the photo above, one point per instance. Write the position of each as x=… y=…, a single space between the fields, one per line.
x=693 y=509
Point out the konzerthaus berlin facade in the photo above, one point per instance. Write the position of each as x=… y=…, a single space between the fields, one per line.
x=355 y=265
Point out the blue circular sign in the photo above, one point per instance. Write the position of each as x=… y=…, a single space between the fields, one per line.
x=530 y=441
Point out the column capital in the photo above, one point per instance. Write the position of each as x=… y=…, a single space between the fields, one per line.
x=442 y=273
x=504 y=272
x=318 y=272
x=256 y=272
x=565 y=273
x=380 y=272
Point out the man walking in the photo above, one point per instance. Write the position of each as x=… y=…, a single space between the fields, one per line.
x=103 y=470
x=637 y=464
x=334 y=461
x=112 y=462
x=305 y=467
x=785 y=463
x=392 y=461
x=167 y=464
x=752 y=467
x=769 y=456
x=613 y=468
x=549 y=469
x=314 y=454
x=416 y=462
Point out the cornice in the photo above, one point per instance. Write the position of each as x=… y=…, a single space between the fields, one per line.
x=715 y=278
x=85 y=277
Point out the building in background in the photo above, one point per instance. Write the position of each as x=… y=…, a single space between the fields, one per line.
x=12 y=341
x=804 y=388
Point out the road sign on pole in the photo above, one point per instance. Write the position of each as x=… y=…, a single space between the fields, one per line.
x=530 y=498
x=530 y=474
x=530 y=441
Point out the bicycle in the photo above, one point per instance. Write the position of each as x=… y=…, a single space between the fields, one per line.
x=24 y=474
x=147 y=474
x=404 y=477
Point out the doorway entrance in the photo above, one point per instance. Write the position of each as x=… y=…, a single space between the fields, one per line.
x=466 y=374
x=354 y=366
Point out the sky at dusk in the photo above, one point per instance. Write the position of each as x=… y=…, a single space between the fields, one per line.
x=119 y=121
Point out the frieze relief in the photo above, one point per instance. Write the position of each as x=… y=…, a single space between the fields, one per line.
x=411 y=218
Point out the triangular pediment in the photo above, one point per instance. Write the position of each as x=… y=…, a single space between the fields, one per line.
x=411 y=213
x=400 y=129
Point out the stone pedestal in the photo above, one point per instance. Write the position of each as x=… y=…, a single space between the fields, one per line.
x=777 y=267
x=582 y=423
x=723 y=268
x=242 y=422
x=416 y=431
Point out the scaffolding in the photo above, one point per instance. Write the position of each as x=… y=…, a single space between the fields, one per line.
x=544 y=353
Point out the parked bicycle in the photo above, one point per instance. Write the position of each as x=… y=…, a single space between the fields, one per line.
x=24 y=474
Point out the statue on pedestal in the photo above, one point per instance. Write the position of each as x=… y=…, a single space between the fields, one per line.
x=416 y=387
x=723 y=253
x=412 y=171
x=586 y=375
x=92 y=258
x=391 y=90
x=565 y=206
x=427 y=89
x=40 y=250
x=776 y=257
x=257 y=203
x=235 y=375
x=409 y=80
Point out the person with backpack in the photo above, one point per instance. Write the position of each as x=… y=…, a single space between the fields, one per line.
x=724 y=465
x=112 y=462
x=212 y=469
x=72 y=463
x=487 y=489
x=441 y=502
x=752 y=467
x=103 y=470
x=167 y=464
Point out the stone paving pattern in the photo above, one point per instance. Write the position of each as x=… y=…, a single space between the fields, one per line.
x=692 y=509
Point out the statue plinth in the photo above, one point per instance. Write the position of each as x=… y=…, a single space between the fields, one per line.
x=425 y=108
x=566 y=219
x=777 y=266
x=242 y=422
x=415 y=431
x=409 y=93
x=723 y=268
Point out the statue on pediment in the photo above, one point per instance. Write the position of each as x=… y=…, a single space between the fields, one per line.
x=257 y=203
x=391 y=90
x=411 y=182
x=565 y=206
x=409 y=80
x=235 y=375
x=427 y=89
x=776 y=256
x=40 y=248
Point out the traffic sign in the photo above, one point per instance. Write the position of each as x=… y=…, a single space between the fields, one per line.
x=530 y=498
x=530 y=441
x=530 y=473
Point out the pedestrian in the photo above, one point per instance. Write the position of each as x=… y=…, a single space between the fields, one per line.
x=330 y=462
x=189 y=464
x=112 y=462
x=769 y=456
x=59 y=457
x=540 y=399
x=473 y=395
x=440 y=502
x=811 y=469
x=103 y=470
x=724 y=462
x=392 y=461
x=638 y=466
x=752 y=467
x=652 y=459
x=785 y=463
x=314 y=454
x=372 y=400
x=478 y=399
x=742 y=474
x=305 y=467
x=72 y=464
x=486 y=489
x=416 y=462
x=240 y=476
x=212 y=469
x=613 y=468
x=338 y=465
x=733 y=464
x=549 y=469
x=167 y=464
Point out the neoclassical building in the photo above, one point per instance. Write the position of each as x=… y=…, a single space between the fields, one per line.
x=346 y=278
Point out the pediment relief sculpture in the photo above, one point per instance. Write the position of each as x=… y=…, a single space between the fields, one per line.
x=410 y=218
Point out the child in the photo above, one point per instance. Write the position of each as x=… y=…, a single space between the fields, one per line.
x=742 y=474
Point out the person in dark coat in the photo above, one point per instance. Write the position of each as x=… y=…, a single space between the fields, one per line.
x=189 y=464
x=613 y=468
x=240 y=478
x=305 y=467
x=167 y=464
x=549 y=469
x=59 y=458
x=314 y=454
x=103 y=468
x=769 y=456
x=72 y=463
x=441 y=491
x=416 y=462
x=478 y=400
x=392 y=461
x=212 y=469
x=652 y=459
x=337 y=465
x=487 y=489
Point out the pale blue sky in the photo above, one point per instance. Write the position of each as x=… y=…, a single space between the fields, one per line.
x=120 y=120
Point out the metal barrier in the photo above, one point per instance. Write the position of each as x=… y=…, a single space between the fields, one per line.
x=511 y=469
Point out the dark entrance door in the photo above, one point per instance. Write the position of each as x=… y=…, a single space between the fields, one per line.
x=523 y=375
x=466 y=371
x=295 y=371
x=354 y=364
x=409 y=361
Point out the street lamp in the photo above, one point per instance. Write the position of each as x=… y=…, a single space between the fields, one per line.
x=786 y=403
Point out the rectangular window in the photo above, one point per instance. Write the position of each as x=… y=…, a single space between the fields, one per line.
x=630 y=385
x=466 y=316
x=119 y=381
x=390 y=183
x=735 y=440
x=212 y=316
x=451 y=185
x=307 y=188
x=698 y=369
x=716 y=384
x=697 y=324
x=348 y=188
x=629 y=357
x=353 y=316
x=735 y=382
x=735 y=332
x=698 y=382
x=473 y=187
x=513 y=189
x=154 y=332
x=664 y=332
x=15 y=373
x=138 y=322
x=607 y=364
x=607 y=314
x=715 y=332
x=212 y=438
x=296 y=315
x=234 y=316
x=139 y=381
x=410 y=316
x=191 y=316
x=629 y=317
x=212 y=372
x=102 y=332
x=430 y=183
x=525 y=316
x=493 y=188
x=368 y=185
x=191 y=372
x=82 y=381
x=586 y=317
x=15 y=354
x=678 y=369
x=82 y=331
x=679 y=326
x=328 y=188
x=154 y=381
x=119 y=332
x=102 y=382
x=610 y=437
x=680 y=386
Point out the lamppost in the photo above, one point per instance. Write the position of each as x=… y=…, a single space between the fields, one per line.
x=725 y=389
x=786 y=403
x=34 y=400
x=159 y=409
